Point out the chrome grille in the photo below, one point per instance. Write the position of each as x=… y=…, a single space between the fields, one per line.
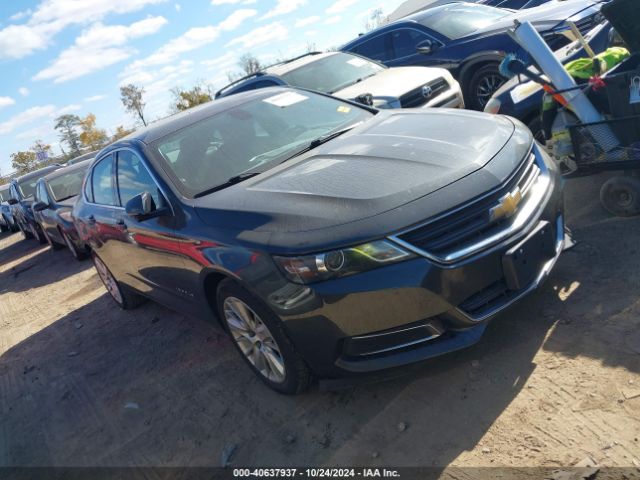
x=470 y=224
x=416 y=98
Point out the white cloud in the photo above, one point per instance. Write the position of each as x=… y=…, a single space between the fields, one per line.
x=6 y=102
x=226 y=61
x=192 y=39
x=95 y=98
x=74 y=107
x=283 y=7
x=26 y=117
x=303 y=22
x=236 y=19
x=24 y=91
x=20 y=15
x=259 y=36
x=332 y=20
x=53 y=16
x=97 y=48
x=340 y=6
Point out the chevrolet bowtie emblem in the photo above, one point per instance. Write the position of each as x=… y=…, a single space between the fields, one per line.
x=507 y=205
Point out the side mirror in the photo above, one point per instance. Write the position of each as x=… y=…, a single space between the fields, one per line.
x=140 y=206
x=39 y=206
x=12 y=201
x=425 y=48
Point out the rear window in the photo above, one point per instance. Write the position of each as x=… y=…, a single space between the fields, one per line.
x=459 y=20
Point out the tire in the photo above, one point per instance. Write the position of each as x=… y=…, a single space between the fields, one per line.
x=38 y=234
x=26 y=233
x=52 y=244
x=482 y=85
x=537 y=130
x=620 y=196
x=123 y=297
x=258 y=336
x=77 y=254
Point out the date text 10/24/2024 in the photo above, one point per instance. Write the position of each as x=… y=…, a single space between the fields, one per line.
x=315 y=473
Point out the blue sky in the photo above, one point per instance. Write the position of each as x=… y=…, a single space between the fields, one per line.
x=71 y=56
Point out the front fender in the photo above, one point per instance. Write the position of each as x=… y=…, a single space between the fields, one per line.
x=474 y=61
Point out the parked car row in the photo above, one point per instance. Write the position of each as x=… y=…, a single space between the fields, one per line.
x=449 y=40
x=328 y=231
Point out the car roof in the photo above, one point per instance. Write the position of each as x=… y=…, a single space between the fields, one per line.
x=286 y=67
x=83 y=165
x=193 y=115
x=84 y=156
x=38 y=173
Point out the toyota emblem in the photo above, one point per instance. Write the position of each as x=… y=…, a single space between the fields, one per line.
x=427 y=91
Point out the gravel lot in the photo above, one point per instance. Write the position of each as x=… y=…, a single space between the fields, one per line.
x=553 y=381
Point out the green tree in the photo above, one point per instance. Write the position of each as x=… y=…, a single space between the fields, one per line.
x=91 y=136
x=132 y=98
x=186 y=99
x=66 y=125
x=24 y=162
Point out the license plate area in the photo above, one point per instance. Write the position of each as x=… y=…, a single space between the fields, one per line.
x=523 y=262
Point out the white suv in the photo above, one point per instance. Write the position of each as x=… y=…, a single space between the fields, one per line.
x=353 y=77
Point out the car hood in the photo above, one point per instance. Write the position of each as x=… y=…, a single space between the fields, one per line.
x=393 y=82
x=391 y=160
x=546 y=16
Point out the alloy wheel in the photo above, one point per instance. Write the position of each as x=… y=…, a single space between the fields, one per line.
x=254 y=339
x=108 y=280
x=487 y=86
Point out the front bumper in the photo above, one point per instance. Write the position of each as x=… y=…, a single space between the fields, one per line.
x=414 y=310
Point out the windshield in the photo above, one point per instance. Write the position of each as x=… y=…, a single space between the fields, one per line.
x=458 y=20
x=252 y=136
x=67 y=185
x=332 y=73
x=28 y=187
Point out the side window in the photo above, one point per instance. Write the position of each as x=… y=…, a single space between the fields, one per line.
x=406 y=40
x=101 y=182
x=377 y=48
x=134 y=178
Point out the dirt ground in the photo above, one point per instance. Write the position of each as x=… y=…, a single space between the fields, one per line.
x=553 y=381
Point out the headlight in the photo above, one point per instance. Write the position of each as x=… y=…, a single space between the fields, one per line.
x=66 y=215
x=493 y=106
x=341 y=263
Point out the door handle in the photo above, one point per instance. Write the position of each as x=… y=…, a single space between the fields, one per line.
x=120 y=223
x=91 y=219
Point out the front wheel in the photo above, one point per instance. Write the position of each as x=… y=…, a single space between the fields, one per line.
x=258 y=335
x=620 y=196
x=482 y=85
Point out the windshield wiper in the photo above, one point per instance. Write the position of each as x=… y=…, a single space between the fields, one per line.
x=316 y=142
x=231 y=181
